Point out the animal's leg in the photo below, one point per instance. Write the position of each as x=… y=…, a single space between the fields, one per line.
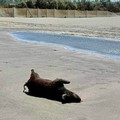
x=24 y=87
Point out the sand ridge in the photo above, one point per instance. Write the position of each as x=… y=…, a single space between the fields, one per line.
x=107 y=27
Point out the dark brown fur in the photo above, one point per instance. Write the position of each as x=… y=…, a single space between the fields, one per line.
x=54 y=90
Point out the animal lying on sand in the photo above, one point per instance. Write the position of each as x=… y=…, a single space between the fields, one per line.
x=49 y=89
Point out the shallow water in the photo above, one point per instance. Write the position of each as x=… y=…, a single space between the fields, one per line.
x=109 y=48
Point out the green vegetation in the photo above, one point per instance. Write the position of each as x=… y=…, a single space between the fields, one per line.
x=66 y=4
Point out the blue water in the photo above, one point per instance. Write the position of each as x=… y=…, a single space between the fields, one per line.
x=109 y=48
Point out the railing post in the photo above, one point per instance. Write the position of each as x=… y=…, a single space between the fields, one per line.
x=46 y=13
x=14 y=12
x=67 y=16
x=26 y=13
x=96 y=13
x=74 y=13
x=54 y=13
x=37 y=12
x=86 y=13
x=107 y=13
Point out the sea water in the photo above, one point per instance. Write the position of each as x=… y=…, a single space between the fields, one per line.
x=107 y=47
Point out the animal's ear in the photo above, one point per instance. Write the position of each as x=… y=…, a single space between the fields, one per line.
x=58 y=80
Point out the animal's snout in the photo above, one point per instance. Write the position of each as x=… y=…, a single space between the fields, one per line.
x=68 y=98
x=76 y=98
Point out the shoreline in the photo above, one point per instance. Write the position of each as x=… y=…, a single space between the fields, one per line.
x=67 y=47
x=66 y=34
x=95 y=79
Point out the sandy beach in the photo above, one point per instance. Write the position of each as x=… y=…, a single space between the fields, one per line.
x=95 y=78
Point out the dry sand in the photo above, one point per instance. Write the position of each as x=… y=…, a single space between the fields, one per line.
x=96 y=79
